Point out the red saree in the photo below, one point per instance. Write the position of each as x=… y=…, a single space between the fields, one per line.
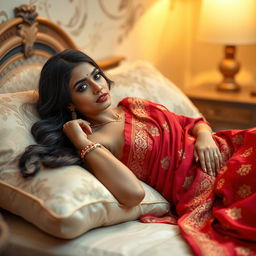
x=216 y=216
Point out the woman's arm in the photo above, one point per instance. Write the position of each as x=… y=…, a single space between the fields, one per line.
x=206 y=150
x=113 y=174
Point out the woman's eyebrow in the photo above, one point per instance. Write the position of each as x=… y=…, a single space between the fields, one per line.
x=95 y=70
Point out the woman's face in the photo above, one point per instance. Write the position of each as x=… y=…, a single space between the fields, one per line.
x=89 y=90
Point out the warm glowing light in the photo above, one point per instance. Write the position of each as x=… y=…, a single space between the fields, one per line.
x=151 y=28
x=228 y=21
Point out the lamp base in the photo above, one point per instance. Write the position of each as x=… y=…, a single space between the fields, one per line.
x=253 y=93
x=228 y=87
x=229 y=67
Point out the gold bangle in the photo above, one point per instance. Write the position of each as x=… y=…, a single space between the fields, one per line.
x=85 y=150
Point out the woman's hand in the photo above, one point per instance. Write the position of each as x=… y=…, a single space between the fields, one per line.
x=76 y=131
x=207 y=152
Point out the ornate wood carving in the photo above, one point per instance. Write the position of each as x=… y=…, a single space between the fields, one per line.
x=28 y=34
x=36 y=36
x=27 y=30
x=27 y=12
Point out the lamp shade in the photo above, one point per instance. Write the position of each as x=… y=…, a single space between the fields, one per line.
x=229 y=22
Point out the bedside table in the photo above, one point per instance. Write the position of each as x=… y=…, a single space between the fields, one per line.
x=225 y=110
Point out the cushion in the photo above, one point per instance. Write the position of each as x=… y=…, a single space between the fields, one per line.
x=64 y=202
x=141 y=79
x=21 y=78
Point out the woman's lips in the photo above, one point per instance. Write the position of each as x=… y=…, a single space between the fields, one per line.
x=102 y=98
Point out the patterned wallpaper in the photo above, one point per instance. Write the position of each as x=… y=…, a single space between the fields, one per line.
x=96 y=26
x=160 y=31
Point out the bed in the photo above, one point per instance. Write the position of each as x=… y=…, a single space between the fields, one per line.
x=66 y=211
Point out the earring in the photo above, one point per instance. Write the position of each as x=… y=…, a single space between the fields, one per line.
x=73 y=114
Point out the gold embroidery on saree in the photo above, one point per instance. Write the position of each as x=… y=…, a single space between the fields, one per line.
x=234 y=213
x=244 y=169
x=188 y=181
x=223 y=170
x=154 y=131
x=225 y=150
x=244 y=251
x=195 y=221
x=220 y=184
x=244 y=191
x=182 y=154
x=166 y=126
x=161 y=107
x=247 y=152
x=201 y=192
x=138 y=107
x=142 y=143
x=165 y=163
x=238 y=139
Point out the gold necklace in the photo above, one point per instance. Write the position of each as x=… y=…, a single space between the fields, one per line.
x=118 y=118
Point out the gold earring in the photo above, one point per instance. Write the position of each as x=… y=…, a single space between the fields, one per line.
x=73 y=114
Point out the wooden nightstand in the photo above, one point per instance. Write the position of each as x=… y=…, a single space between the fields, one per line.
x=225 y=110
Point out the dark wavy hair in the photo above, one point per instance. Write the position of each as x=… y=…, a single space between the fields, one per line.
x=53 y=148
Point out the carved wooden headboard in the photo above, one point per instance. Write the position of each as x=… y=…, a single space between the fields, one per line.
x=29 y=40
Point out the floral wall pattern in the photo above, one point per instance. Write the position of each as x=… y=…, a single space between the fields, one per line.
x=94 y=25
x=160 y=31
x=136 y=29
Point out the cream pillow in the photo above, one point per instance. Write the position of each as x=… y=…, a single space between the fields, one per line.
x=64 y=202
x=141 y=79
x=21 y=78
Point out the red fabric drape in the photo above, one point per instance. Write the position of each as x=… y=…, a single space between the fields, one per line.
x=216 y=216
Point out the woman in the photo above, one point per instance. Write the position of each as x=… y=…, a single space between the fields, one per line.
x=141 y=140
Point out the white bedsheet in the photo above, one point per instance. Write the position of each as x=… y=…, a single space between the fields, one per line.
x=127 y=239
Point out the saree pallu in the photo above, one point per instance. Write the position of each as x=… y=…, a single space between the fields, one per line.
x=216 y=216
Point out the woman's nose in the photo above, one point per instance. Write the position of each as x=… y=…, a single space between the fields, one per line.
x=96 y=87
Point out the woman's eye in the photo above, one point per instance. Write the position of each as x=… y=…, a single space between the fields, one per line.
x=97 y=76
x=82 y=87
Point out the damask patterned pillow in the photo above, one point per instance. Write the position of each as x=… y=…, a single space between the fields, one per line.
x=21 y=78
x=141 y=79
x=64 y=202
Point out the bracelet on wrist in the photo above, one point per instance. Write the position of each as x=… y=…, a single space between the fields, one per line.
x=89 y=148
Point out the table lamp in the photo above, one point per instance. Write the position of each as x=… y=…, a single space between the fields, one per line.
x=230 y=23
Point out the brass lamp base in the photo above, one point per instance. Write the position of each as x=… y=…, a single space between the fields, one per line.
x=253 y=93
x=229 y=67
x=228 y=87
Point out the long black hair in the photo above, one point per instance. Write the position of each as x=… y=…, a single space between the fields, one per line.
x=53 y=148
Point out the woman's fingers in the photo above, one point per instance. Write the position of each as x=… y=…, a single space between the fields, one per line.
x=217 y=160
x=220 y=158
x=77 y=126
x=213 y=162
x=85 y=126
x=208 y=162
x=208 y=153
x=76 y=131
x=196 y=156
x=202 y=161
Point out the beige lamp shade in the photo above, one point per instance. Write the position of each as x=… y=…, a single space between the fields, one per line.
x=229 y=22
